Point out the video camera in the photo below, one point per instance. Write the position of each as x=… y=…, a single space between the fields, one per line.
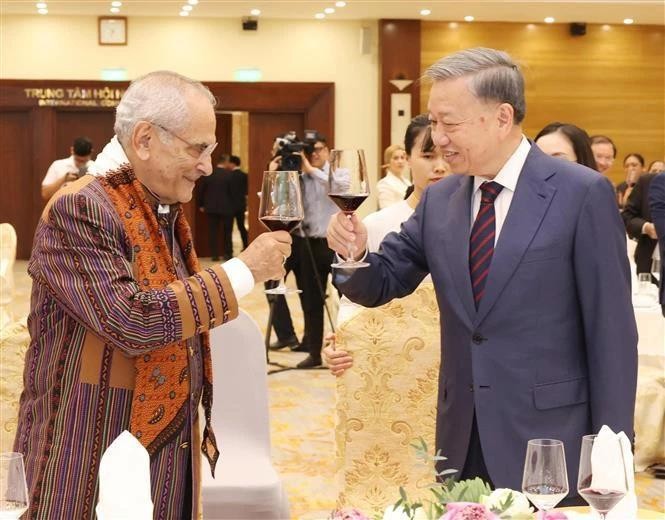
x=289 y=148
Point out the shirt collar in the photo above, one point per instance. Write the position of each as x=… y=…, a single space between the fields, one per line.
x=510 y=172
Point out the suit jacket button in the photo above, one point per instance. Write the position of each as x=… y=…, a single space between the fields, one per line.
x=470 y=387
x=477 y=338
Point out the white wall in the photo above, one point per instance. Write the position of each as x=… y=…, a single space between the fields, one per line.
x=210 y=49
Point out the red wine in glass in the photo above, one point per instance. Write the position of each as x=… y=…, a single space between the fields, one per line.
x=281 y=209
x=602 y=497
x=602 y=500
x=347 y=203
x=279 y=223
x=348 y=187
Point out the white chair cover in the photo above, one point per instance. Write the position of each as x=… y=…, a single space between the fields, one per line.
x=246 y=486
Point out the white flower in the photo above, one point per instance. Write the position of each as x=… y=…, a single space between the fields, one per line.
x=520 y=505
x=399 y=514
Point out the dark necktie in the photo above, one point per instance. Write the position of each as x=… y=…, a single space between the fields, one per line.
x=481 y=244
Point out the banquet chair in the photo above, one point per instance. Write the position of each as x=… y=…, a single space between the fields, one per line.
x=7 y=259
x=387 y=401
x=246 y=485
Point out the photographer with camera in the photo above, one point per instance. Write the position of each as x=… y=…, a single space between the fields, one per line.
x=64 y=171
x=310 y=258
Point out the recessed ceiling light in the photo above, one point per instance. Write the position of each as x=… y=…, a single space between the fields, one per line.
x=425 y=12
x=606 y=27
x=340 y=4
x=453 y=25
x=115 y=9
x=469 y=18
x=319 y=16
x=42 y=11
x=41 y=5
x=192 y=2
x=549 y=19
x=116 y=4
x=184 y=13
x=628 y=21
x=329 y=10
x=255 y=12
x=187 y=8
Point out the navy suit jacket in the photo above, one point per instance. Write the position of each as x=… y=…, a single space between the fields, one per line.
x=552 y=350
x=657 y=205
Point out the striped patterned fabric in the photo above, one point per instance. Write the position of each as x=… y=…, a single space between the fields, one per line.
x=89 y=319
x=481 y=246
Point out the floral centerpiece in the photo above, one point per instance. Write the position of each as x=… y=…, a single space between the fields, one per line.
x=471 y=499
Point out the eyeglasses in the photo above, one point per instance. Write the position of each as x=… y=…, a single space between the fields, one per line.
x=318 y=149
x=201 y=150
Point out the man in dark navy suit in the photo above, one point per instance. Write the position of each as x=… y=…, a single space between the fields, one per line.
x=528 y=258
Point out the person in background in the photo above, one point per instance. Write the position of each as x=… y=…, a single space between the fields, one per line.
x=237 y=196
x=120 y=311
x=636 y=216
x=427 y=166
x=657 y=207
x=392 y=187
x=213 y=199
x=568 y=142
x=656 y=166
x=63 y=171
x=528 y=260
x=604 y=152
x=633 y=167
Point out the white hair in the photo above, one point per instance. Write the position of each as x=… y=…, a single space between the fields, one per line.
x=494 y=76
x=158 y=97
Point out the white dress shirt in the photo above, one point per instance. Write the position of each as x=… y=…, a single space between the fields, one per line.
x=60 y=168
x=508 y=176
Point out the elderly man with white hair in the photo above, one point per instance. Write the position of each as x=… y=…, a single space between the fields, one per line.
x=121 y=309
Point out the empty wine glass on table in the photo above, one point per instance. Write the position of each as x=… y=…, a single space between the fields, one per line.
x=655 y=268
x=13 y=489
x=281 y=209
x=545 y=478
x=592 y=480
x=348 y=187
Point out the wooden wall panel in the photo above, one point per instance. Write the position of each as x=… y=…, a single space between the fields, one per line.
x=399 y=54
x=610 y=81
x=17 y=179
x=70 y=124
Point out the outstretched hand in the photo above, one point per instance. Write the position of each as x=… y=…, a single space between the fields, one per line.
x=337 y=360
x=347 y=235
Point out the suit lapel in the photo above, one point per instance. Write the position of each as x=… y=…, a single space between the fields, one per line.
x=531 y=200
x=456 y=244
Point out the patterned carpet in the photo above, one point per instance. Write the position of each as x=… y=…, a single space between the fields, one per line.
x=301 y=405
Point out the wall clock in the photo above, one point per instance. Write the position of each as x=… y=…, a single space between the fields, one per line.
x=112 y=30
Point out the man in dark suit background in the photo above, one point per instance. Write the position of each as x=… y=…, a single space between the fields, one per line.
x=213 y=200
x=657 y=207
x=528 y=259
x=637 y=219
x=237 y=197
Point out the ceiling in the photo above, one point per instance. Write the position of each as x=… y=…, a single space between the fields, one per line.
x=607 y=12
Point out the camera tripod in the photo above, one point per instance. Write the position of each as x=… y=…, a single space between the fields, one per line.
x=272 y=300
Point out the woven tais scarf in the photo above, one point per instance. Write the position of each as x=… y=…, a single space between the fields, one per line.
x=162 y=384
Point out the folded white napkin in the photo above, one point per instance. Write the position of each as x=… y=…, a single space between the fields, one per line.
x=124 y=481
x=611 y=463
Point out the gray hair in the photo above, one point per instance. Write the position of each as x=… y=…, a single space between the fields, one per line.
x=494 y=76
x=158 y=97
